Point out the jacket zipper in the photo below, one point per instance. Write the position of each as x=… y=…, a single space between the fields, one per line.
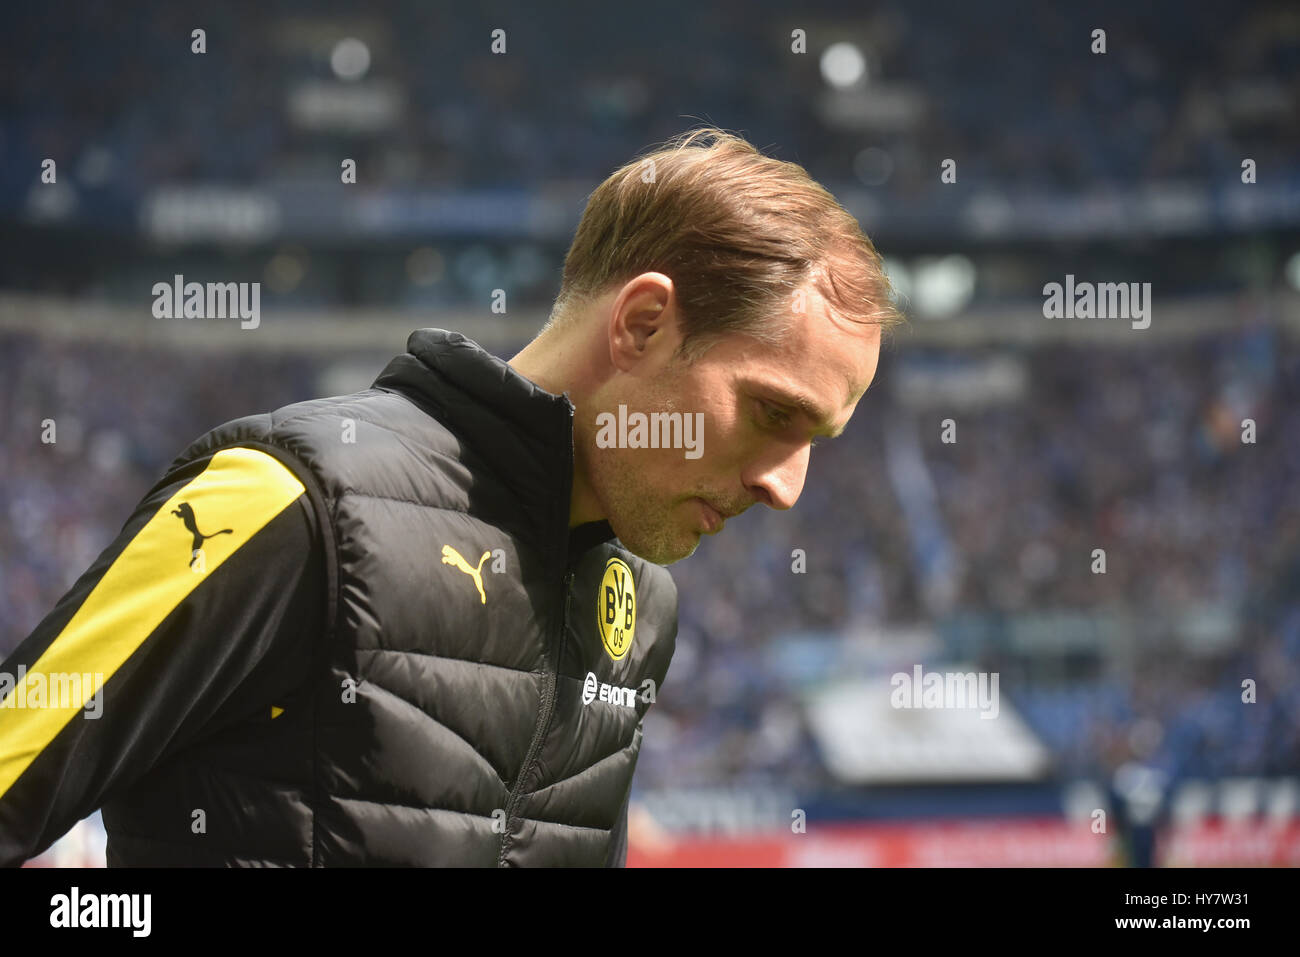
x=549 y=686
x=551 y=677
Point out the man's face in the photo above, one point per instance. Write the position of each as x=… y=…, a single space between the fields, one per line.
x=762 y=406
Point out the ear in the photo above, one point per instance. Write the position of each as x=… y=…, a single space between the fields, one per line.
x=643 y=323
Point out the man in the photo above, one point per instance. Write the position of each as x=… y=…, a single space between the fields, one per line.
x=422 y=624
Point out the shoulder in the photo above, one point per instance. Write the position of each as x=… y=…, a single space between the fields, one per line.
x=336 y=435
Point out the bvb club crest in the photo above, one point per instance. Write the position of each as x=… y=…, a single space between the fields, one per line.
x=616 y=609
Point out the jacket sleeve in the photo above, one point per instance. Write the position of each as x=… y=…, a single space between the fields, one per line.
x=216 y=571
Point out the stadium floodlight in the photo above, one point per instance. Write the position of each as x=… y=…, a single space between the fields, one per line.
x=1292 y=270
x=943 y=286
x=350 y=59
x=843 y=65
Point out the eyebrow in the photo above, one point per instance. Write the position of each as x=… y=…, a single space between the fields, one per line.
x=805 y=405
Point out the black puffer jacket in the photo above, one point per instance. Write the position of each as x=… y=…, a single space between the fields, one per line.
x=470 y=691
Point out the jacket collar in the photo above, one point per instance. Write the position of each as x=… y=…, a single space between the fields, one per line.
x=523 y=432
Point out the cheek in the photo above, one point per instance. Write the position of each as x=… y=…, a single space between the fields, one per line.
x=729 y=438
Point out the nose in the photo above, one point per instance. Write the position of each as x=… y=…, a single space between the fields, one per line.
x=776 y=480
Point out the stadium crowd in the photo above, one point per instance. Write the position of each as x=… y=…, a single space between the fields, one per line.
x=1193 y=88
x=1137 y=452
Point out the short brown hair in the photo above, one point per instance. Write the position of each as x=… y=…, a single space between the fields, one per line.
x=735 y=230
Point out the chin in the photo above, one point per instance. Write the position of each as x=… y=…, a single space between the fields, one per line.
x=672 y=558
x=660 y=552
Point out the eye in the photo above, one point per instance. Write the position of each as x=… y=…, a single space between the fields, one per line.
x=771 y=416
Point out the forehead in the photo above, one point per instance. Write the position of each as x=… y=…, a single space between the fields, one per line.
x=823 y=355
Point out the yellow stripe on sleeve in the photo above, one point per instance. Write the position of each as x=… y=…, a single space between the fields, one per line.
x=239 y=492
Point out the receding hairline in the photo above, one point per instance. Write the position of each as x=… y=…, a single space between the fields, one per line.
x=774 y=228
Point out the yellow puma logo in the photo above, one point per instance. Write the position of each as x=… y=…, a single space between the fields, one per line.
x=452 y=557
